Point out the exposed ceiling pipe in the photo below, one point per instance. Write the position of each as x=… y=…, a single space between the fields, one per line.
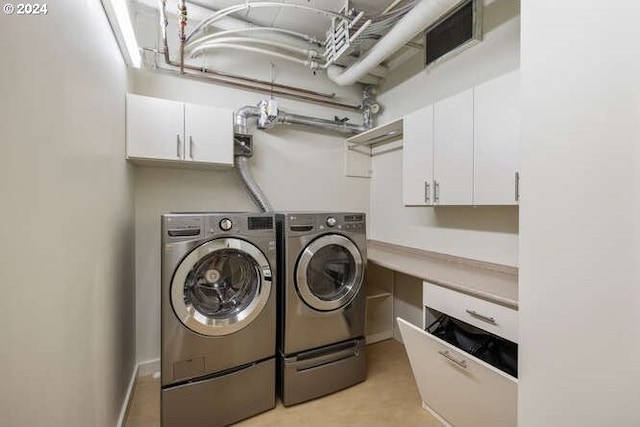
x=305 y=62
x=220 y=34
x=318 y=123
x=423 y=14
x=246 y=82
x=247 y=6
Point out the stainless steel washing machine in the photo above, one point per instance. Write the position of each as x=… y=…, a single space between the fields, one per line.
x=218 y=317
x=321 y=313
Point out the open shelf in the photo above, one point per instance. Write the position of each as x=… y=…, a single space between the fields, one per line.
x=379 y=135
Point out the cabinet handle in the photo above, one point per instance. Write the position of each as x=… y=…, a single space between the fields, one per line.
x=487 y=319
x=462 y=363
x=436 y=192
x=517 y=186
x=191 y=147
x=427 y=196
x=178 y=145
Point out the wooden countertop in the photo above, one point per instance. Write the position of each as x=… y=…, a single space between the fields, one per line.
x=493 y=282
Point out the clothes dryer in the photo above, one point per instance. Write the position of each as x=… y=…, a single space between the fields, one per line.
x=321 y=315
x=218 y=317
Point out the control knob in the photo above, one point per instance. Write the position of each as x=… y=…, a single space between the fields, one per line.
x=226 y=224
x=331 y=222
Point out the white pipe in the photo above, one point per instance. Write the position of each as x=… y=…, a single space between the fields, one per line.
x=219 y=34
x=424 y=14
x=307 y=63
x=237 y=8
x=242 y=40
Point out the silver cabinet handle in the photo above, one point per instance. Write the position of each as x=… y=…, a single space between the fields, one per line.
x=517 y=186
x=427 y=196
x=487 y=319
x=445 y=353
x=436 y=191
x=178 y=145
x=191 y=147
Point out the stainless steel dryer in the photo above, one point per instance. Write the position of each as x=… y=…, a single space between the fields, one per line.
x=218 y=317
x=321 y=313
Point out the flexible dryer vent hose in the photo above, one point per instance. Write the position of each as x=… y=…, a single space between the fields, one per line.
x=242 y=166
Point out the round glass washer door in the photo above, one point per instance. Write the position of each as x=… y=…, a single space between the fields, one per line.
x=221 y=286
x=329 y=273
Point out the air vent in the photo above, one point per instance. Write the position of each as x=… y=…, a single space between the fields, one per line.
x=455 y=32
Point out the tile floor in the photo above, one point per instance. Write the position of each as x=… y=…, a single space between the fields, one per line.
x=389 y=397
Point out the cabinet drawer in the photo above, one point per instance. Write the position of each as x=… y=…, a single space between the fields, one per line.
x=463 y=390
x=491 y=317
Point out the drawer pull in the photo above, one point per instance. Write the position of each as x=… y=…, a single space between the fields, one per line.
x=446 y=355
x=487 y=319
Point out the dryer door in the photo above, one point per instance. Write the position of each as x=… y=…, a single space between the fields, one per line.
x=221 y=286
x=329 y=272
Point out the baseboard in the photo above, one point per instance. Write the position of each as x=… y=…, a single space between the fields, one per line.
x=149 y=367
x=141 y=369
x=127 y=397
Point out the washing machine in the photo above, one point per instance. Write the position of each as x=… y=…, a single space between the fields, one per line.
x=218 y=317
x=321 y=305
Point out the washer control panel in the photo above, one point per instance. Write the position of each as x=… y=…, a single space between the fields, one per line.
x=331 y=221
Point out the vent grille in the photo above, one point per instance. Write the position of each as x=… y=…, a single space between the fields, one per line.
x=451 y=34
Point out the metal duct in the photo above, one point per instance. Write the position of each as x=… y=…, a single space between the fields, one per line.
x=330 y=125
x=242 y=166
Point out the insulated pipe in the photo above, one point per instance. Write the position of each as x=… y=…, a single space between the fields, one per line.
x=307 y=63
x=220 y=34
x=237 y=8
x=242 y=166
x=424 y=14
x=310 y=53
x=247 y=83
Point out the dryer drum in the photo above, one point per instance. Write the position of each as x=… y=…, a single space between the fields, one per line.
x=223 y=283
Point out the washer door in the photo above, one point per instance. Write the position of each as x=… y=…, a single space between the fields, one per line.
x=221 y=286
x=329 y=273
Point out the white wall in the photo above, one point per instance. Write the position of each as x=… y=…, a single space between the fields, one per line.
x=483 y=233
x=67 y=309
x=579 y=256
x=297 y=170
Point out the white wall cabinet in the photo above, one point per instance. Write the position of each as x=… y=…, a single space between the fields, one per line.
x=453 y=150
x=417 y=158
x=497 y=141
x=175 y=132
x=465 y=149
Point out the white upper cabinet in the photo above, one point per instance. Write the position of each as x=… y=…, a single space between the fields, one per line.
x=497 y=141
x=417 y=158
x=453 y=150
x=155 y=128
x=160 y=130
x=208 y=134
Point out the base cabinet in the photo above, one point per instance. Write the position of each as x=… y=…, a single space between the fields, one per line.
x=464 y=359
x=458 y=388
x=379 y=286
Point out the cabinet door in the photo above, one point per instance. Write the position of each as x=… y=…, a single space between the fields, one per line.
x=208 y=134
x=155 y=128
x=497 y=141
x=453 y=150
x=463 y=390
x=417 y=158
